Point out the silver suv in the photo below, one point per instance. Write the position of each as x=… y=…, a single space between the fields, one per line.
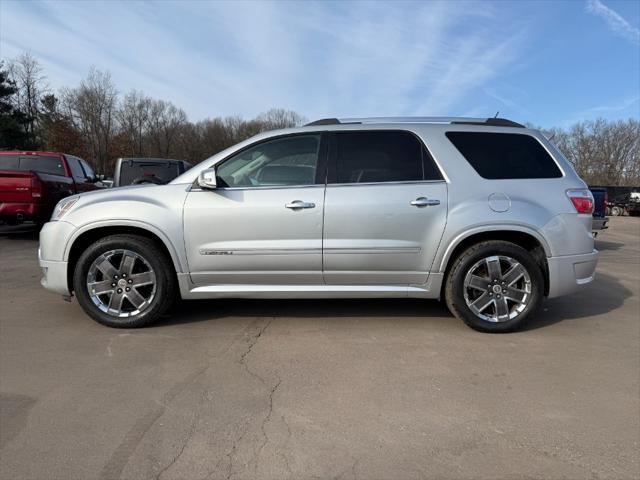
x=483 y=213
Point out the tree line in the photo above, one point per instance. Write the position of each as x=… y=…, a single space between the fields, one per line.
x=94 y=121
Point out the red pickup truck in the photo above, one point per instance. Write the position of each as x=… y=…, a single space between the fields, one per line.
x=31 y=183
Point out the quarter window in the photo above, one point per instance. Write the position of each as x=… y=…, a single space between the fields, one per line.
x=382 y=156
x=279 y=162
x=500 y=156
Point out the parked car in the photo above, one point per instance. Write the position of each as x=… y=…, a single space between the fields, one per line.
x=600 y=202
x=625 y=204
x=31 y=183
x=136 y=171
x=483 y=213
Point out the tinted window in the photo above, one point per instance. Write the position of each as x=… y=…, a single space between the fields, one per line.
x=87 y=169
x=364 y=157
x=8 y=162
x=498 y=156
x=149 y=172
x=43 y=164
x=76 y=168
x=283 y=161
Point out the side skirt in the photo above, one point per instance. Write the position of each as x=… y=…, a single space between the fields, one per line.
x=431 y=289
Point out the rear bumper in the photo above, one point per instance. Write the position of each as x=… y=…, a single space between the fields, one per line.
x=21 y=211
x=600 y=223
x=568 y=273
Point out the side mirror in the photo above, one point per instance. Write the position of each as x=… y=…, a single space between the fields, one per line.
x=207 y=179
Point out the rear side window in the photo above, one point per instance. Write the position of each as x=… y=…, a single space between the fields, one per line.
x=500 y=156
x=42 y=164
x=8 y=162
x=154 y=172
x=379 y=156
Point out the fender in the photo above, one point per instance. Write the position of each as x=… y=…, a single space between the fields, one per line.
x=178 y=262
x=513 y=227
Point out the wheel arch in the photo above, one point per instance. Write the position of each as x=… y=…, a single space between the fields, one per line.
x=524 y=237
x=90 y=233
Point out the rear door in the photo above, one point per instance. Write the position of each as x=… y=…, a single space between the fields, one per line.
x=385 y=209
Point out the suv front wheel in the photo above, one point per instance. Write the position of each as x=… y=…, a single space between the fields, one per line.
x=124 y=281
x=494 y=286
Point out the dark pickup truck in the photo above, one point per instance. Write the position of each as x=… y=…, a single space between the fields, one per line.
x=31 y=183
x=600 y=205
x=134 y=171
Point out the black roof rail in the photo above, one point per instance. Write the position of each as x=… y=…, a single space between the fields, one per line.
x=324 y=121
x=493 y=122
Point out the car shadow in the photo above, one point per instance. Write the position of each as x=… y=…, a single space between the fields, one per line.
x=206 y=310
x=19 y=232
x=604 y=245
x=602 y=296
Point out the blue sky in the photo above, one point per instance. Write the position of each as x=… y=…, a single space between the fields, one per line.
x=550 y=63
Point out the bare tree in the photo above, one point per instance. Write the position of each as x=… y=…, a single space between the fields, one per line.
x=165 y=121
x=280 y=118
x=28 y=76
x=91 y=108
x=133 y=118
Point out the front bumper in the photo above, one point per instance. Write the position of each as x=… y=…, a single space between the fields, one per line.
x=53 y=240
x=568 y=273
x=54 y=277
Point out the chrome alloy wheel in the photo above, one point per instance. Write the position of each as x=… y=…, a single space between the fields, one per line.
x=497 y=288
x=121 y=283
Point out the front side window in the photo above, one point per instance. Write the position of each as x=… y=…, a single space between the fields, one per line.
x=87 y=169
x=500 y=156
x=76 y=168
x=381 y=156
x=42 y=164
x=279 y=162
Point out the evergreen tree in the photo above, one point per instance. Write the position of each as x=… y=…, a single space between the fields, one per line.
x=12 y=122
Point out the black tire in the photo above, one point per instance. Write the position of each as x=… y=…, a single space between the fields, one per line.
x=455 y=288
x=616 y=211
x=165 y=281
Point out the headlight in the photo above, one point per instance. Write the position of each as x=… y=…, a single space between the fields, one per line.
x=63 y=207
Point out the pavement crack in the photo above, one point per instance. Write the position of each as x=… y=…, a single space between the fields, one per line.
x=266 y=420
x=192 y=430
x=252 y=340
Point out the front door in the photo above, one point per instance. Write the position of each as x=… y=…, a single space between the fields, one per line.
x=263 y=224
x=385 y=209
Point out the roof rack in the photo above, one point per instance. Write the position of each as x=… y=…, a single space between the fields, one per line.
x=493 y=122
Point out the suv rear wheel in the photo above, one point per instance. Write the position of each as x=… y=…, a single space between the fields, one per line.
x=124 y=281
x=494 y=286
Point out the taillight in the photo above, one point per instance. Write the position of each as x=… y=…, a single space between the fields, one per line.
x=36 y=187
x=606 y=201
x=582 y=200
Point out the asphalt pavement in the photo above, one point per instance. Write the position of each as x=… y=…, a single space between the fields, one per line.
x=357 y=389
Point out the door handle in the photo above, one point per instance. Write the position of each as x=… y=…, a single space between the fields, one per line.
x=424 y=202
x=298 y=204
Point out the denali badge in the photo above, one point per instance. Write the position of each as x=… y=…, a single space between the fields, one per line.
x=215 y=252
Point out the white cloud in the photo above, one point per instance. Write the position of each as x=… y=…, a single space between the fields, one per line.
x=321 y=59
x=615 y=21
